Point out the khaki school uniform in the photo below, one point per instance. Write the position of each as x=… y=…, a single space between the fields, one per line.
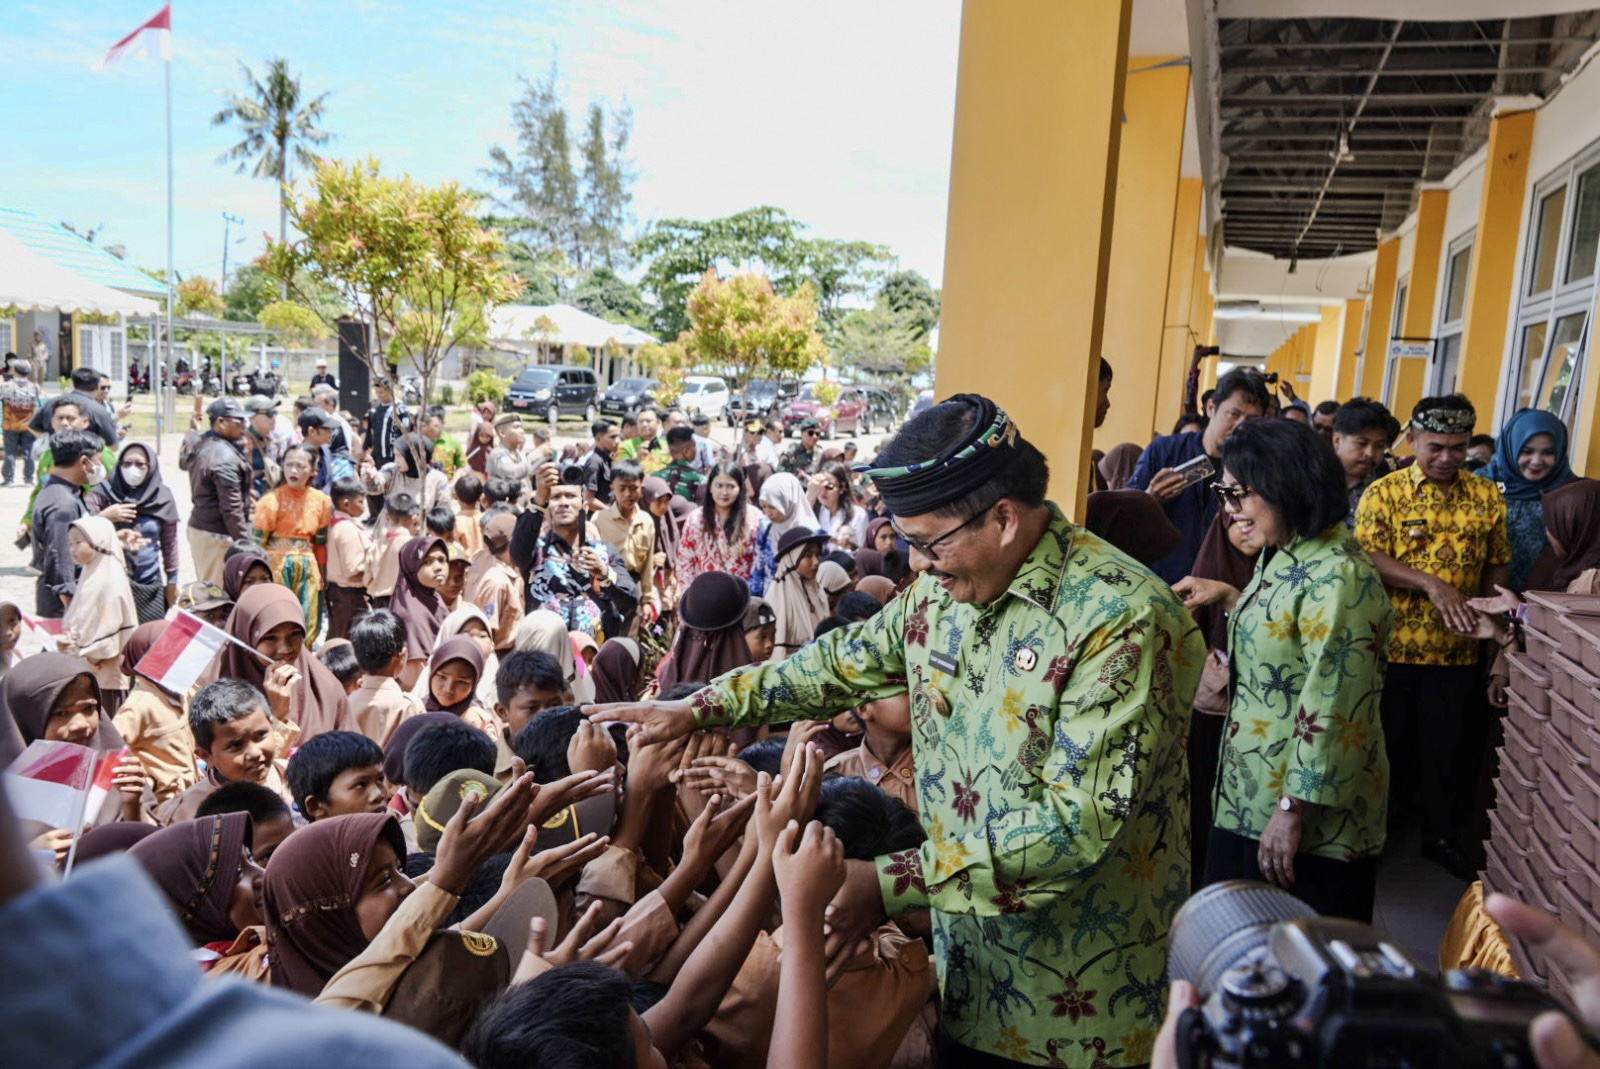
x=157 y=733
x=500 y=593
x=379 y=704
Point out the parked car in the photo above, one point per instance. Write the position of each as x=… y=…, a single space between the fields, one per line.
x=846 y=413
x=923 y=402
x=703 y=393
x=765 y=398
x=883 y=409
x=627 y=396
x=554 y=392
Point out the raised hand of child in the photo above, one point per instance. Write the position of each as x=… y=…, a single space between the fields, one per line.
x=800 y=733
x=471 y=838
x=651 y=764
x=716 y=774
x=279 y=688
x=592 y=749
x=809 y=868
x=581 y=944
x=552 y=798
x=715 y=831
x=559 y=864
x=129 y=778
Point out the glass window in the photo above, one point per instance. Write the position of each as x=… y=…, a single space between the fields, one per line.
x=1455 y=286
x=1449 y=358
x=1533 y=336
x=1397 y=328
x=1585 y=228
x=1547 y=234
x=1563 y=359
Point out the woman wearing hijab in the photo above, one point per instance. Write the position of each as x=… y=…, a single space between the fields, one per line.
x=424 y=568
x=798 y=602
x=834 y=581
x=670 y=512
x=470 y=621
x=142 y=502
x=152 y=721
x=480 y=443
x=1117 y=466
x=879 y=586
x=1572 y=518
x=409 y=473
x=711 y=636
x=784 y=501
x=205 y=870
x=110 y=839
x=102 y=615
x=545 y=632
x=615 y=671
x=244 y=570
x=1530 y=459
x=54 y=697
x=1134 y=522
x=454 y=672
x=268 y=619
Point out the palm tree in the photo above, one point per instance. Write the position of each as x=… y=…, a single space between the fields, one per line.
x=275 y=123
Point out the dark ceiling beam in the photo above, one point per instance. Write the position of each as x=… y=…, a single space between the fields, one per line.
x=1400 y=45
x=1336 y=121
x=1337 y=184
x=1446 y=66
x=1376 y=100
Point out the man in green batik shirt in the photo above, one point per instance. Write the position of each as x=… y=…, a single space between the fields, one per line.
x=1051 y=679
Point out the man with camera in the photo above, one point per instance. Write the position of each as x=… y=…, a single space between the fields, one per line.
x=572 y=571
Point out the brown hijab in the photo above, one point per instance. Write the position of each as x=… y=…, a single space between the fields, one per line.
x=31 y=690
x=318 y=702
x=616 y=671
x=139 y=642
x=312 y=884
x=879 y=586
x=1572 y=515
x=1220 y=559
x=420 y=608
x=1134 y=522
x=196 y=864
x=235 y=570
x=669 y=526
x=110 y=839
x=460 y=648
x=1117 y=466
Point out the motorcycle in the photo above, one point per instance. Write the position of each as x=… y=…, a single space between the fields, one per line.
x=184 y=380
x=411 y=390
x=210 y=380
x=138 y=379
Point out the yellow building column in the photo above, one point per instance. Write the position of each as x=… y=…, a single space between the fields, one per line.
x=1202 y=317
x=1180 y=335
x=1491 y=279
x=1149 y=163
x=1381 y=306
x=1326 y=356
x=1028 y=236
x=1350 y=332
x=1419 y=310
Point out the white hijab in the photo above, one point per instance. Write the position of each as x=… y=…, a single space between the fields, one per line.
x=102 y=614
x=783 y=492
x=800 y=606
x=545 y=632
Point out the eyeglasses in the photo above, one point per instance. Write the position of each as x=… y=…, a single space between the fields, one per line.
x=931 y=549
x=1231 y=496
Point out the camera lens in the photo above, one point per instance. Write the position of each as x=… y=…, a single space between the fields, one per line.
x=1224 y=923
x=572 y=475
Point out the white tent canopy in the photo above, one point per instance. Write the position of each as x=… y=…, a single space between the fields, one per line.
x=34 y=284
x=515 y=327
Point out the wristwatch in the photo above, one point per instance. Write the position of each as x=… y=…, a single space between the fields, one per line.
x=1291 y=805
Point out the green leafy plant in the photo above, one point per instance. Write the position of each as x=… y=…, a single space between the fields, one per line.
x=485 y=385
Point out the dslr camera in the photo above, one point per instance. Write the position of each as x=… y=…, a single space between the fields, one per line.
x=572 y=475
x=1283 y=987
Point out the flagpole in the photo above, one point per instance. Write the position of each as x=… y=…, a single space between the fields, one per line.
x=167 y=55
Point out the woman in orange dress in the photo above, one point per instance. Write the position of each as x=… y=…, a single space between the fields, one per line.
x=291 y=523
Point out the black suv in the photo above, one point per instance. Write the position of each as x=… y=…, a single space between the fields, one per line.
x=766 y=399
x=554 y=392
x=627 y=396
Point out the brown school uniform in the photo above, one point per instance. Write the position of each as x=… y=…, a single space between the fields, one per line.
x=469 y=535
x=245 y=958
x=181 y=807
x=897 y=782
x=379 y=704
x=871 y=1007
x=386 y=562
x=157 y=732
x=635 y=539
x=350 y=567
x=500 y=594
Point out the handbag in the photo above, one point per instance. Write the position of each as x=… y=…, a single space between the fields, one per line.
x=1215 y=690
x=149 y=601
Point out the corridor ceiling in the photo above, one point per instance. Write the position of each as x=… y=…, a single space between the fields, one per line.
x=1318 y=132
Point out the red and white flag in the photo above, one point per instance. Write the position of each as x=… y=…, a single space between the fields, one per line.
x=161 y=20
x=50 y=783
x=184 y=650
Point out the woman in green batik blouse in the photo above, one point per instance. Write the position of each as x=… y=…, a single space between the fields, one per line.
x=1303 y=781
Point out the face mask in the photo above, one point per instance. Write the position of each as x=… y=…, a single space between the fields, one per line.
x=134 y=476
x=97 y=475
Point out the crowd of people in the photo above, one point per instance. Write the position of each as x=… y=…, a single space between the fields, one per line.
x=647 y=750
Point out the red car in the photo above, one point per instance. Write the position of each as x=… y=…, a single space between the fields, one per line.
x=847 y=412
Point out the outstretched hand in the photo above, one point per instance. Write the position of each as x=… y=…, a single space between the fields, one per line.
x=662 y=721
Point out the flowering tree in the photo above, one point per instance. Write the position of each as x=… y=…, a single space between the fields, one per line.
x=411 y=259
x=743 y=324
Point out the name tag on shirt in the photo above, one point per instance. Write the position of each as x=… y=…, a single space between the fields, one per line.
x=944 y=663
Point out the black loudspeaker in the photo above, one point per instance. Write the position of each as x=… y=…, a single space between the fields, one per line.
x=355 y=378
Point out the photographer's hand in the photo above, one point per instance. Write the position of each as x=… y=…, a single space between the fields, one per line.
x=1556 y=1043
x=1180 y=996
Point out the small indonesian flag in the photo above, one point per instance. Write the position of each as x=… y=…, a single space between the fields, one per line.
x=50 y=781
x=161 y=20
x=184 y=650
x=49 y=627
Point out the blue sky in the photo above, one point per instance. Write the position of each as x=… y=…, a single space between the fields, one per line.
x=837 y=110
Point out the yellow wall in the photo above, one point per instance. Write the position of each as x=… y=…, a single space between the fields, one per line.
x=1202 y=317
x=1180 y=335
x=1028 y=237
x=1137 y=292
x=1491 y=279
x=1421 y=297
x=1345 y=387
x=1325 y=356
x=1384 y=276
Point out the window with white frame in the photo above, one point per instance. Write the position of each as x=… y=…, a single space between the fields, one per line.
x=1391 y=366
x=1557 y=290
x=1452 y=313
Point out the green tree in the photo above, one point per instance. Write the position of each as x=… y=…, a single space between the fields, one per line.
x=680 y=251
x=669 y=363
x=914 y=296
x=411 y=259
x=295 y=324
x=611 y=297
x=743 y=324
x=839 y=270
x=277 y=124
x=198 y=296
x=249 y=291
x=606 y=194
x=880 y=341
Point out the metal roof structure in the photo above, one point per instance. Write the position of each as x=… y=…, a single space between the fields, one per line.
x=1319 y=131
x=66 y=249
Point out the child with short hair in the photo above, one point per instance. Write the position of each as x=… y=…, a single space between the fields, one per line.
x=527 y=683
x=350 y=557
x=884 y=755
x=468 y=489
x=440 y=749
x=233 y=734
x=379 y=704
x=496 y=584
x=401 y=521
x=336 y=773
x=270 y=815
x=339 y=657
x=441 y=521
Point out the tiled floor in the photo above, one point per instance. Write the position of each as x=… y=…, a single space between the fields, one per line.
x=1415 y=898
